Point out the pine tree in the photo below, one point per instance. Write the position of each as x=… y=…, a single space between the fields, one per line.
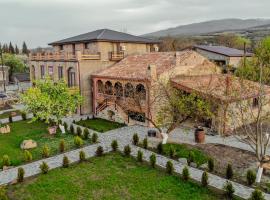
x=17 y=51
x=11 y=48
x=24 y=49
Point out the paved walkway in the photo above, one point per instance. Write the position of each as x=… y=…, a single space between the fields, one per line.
x=124 y=137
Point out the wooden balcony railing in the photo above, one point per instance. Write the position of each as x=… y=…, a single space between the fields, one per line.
x=89 y=56
x=116 y=56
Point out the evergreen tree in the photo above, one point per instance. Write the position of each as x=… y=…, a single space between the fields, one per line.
x=24 y=49
x=17 y=51
x=11 y=48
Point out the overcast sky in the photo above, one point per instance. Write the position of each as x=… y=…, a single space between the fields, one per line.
x=39 y=22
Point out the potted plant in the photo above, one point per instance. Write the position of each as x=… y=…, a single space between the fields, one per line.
x=199 y=135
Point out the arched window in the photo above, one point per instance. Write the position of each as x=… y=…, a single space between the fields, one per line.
x=71 y=77
x=118 y=88
x=100 y=86
x=129 y=90
x=108 y=88
x=140 y=91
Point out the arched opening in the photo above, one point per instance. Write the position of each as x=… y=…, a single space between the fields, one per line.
x=140 y=91
x=129 y=90
x=100 y=86
x=71 y=77
x=118 y=88
x=108 y=88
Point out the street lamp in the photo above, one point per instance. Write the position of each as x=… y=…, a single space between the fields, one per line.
x=3 y=71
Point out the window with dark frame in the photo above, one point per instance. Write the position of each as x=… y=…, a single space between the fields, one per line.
x=60 y=72
x=42 y=71
x=255 y=102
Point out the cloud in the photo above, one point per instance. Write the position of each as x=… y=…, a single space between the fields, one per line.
x=39 y=22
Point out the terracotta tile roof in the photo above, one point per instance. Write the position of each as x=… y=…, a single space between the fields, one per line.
x=225 y=88
x=136 y=66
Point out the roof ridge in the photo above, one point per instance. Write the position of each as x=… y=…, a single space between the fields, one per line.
x=99 y=36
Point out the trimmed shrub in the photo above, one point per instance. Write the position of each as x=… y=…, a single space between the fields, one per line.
x=66 y=126
x=99 y=151
x=10 y=119
x=66 y=162
x=71 y=128
x=204 y=179
x=256 y=195
x=45 y=151
x=78 y=141
x=114 y=145
x=229 y=190
x=172 y=152
x=191 y=157
x=140 y=156
x=229 y=171
x=79 y=131
x=24 y=116
x=211 y=164
x=88 y=118
x=145 y=143
x=94 y=137
x=27 y=156
x=3 y=195
x=86 y=134
x=251 y=177
x=153 y=160
x=73 y=121
x=127 y=150
x=62 y=146
x=169 y=167
x=20 y=175
x=44 y=167
x=135 y=139
x=160 y=148
x=5 y=160
x=185 y=173
x=82 y=156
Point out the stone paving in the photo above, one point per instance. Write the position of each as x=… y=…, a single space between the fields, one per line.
x=124 y=137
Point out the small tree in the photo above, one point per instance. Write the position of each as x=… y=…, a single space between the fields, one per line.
x=20 y=175
x=66 y=162
x=78 y=141
x=140 y=156
x=62 y=146
x=72 y=129
x=211 y=164
x=257 y=195
x=229 y=190
x=3 y=195
x=114 y=145
x=169 y=167
x=45 y=151
x=44 y=167
x=185 y=173
x=5 y=160
x=79 y=131
x=172 y=152
x=229 y=171
x=27 y=156
x=127 y=150
x=204 y=179
x=82 y=156
x=24 y=116
x=145 y=143
x=135 y=139
x=191 y=157
x=10 y=119
x=251 y=177
x=99 y=151
x=94 y=138
x=160 y=148
x=153 y=160
x=65 y=125
x=86 y=134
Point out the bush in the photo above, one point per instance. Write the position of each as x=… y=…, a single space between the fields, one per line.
x=10 y=119
x=24 y=116
x=229 y=171
x=114 y=145
x=71 y=128
x=127 y=150
x=99 y=151
x=256 y=195
x=191 y=157
x=153 y=160
x=82 y=156
x=62 y=146
x=204 y=179
x=3 y=195
x=135 y=139
x=229 y=190
x=86 y=134
x=66 y=126
x=169 y=167
x=45 y=151
x=251 y=177
x=78 y=141
x=160 y=148
x=20 y=175
x=94 y=138
x=211 y=164
x=79 y=131
x=145 y=143
x=27 y=156
x=74 y=122
x=44 y=168
x=5 y=160
x=140 y=156
x=185 y=173
x=172 y=152
x=66 y=162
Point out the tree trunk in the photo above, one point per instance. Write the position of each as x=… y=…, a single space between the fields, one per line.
x=164 y=138
x=259 y=174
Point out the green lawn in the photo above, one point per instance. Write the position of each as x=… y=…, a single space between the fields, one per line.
x=110 y=177
x=6 y=114
x=100 y=125
x=10 y=143
x=182 y=151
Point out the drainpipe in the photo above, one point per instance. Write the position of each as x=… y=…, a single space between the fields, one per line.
x=79 y=75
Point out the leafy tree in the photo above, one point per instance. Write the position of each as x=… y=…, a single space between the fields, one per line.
x=25 y=49
x=50 y=101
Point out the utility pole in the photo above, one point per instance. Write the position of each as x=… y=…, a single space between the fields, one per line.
x=3 y=71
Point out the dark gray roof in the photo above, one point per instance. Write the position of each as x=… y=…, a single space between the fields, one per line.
x=21 y=77
x=223 y=50
x=105 y=35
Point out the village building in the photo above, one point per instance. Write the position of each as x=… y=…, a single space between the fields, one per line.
x=222 y=56
x=75 y=59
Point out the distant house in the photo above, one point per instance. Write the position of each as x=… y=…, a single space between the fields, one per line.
x=20 y=81
x=221 y=55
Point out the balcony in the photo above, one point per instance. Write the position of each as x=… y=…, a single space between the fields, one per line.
x=116 y=56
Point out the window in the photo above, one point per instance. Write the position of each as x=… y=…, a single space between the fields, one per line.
x=118 y=89
x=71 y=77
x=100 y=86
x=140 y=117
x=141 y=92
x=255 y=102
x=61 y=47
x=108 y=88
x=50 y=70
x=86 y=45
x=129 y=90
x=60 y=72
x=42 y=71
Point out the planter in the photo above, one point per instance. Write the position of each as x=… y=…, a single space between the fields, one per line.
x=52 y=130
x=199 y=135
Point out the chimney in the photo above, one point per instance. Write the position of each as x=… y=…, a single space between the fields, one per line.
x=152 y=71
x=228 y=84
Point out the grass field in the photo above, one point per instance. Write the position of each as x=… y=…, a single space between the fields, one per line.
x=99 y=125
x=109 y=177
x=22 y=130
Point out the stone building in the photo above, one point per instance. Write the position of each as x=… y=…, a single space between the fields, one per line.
x=75 y=59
